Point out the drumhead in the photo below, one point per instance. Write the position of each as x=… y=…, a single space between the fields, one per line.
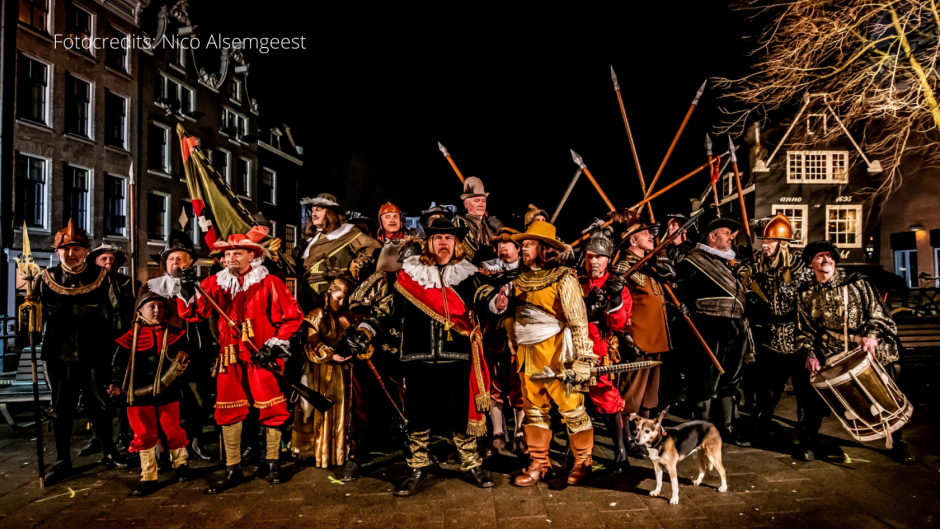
x=840 y=373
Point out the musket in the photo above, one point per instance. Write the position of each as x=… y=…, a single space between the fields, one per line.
x=318 y=401
x=665 y=242
x=32 y=308
x=626 y=124
x=708 y=151
x=561 y=204
x=675 y=140
x=451 y=160
x=548 y=374
x=577 y=159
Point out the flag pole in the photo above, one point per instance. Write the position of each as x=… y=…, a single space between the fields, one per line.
x=132 y=221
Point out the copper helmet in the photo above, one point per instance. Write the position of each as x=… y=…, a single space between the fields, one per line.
x=779 y=228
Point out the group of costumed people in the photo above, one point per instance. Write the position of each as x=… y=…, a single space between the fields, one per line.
x=463 y=327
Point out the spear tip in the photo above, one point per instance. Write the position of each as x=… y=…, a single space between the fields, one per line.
x=708 y=144
x=577 y=158
x=701 y=91
x=442 y=148
x=613 y=77
x=734 y=158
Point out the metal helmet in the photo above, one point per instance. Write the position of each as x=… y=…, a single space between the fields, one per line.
x=778 y=228
x=600 y=244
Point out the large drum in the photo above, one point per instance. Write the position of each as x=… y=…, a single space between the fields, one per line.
x=863 y=396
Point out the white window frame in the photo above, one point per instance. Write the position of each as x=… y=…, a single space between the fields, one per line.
x=804 y=220
x=273 y=200
x=294 y=241
x=801 y=179
x=127 y=52
x=225 y=112
x=166 y=214
x=127 y=120
x=809 y=128
x=273 y=228
x=858 y=224
x=47 y=118
x=47 y=174
x=89 y=196
x=179 y=95
x=165 y=171
x=50 y=23
x=247 y=193
x=911 y=281
x=92 y=22
x=124 y=183
x=936 y=266
x=91 y=104
x=727 y=185
x=238 y=91
x=179 y=48
x=228 y=166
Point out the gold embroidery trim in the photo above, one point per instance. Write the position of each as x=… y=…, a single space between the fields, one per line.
x=530 y=281
x=230 y=405
x=424 y=308
x=75 y=291
x=269 y=403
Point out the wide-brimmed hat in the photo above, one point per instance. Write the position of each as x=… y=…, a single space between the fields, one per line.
x=323 y=200
x=144 y=294
x=505 y=235
x=711 y=222
x=445 y=227
x=432 y=211
x=473 y=187
x=777 y=228
x=240 y=241
x=814 y=248
x=178 y=241
x=540 y=231
x=531 y=212
x=641 y=224
x=71 y=236
x=119 y=256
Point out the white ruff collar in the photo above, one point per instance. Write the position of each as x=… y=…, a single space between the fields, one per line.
x=729 y=255
x=332 y=236
x=429 y=277
x=165 y=285
x=229 y=282
x=498 y=265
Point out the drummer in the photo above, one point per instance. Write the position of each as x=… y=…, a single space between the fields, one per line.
x=830 y=305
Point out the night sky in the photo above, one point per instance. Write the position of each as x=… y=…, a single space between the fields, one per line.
x=507 y=92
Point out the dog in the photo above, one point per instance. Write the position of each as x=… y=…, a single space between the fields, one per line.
x=668 y=446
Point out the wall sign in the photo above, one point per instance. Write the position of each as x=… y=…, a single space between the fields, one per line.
x=790 y=200
x=844 y=198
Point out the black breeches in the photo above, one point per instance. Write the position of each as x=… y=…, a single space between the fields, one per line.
x=437 y=396
x=68 y=381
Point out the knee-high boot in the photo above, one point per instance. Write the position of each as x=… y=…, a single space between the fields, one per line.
x=582 y=444
x=538 y=439
x=615 y=428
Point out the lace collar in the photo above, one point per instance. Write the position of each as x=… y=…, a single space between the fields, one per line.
x=332 y=236
x=165 y=285
x=498 y=265
x=729 y=255
x=229 y=282
x=429 y=277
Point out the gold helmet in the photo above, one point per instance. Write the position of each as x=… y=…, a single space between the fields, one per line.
x=778 y=228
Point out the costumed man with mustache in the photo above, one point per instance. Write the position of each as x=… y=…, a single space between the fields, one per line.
x=81 y=313
x=550 y=330
x=267 y=314
x=608 y=310
x=839 y=312
x=431 y=304
x=478 y=243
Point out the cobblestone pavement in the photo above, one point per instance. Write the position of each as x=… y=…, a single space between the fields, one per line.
x=858 y=486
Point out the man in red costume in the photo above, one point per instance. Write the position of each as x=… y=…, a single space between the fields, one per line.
x=608 y=309
x=265 y=313
x=391 y=223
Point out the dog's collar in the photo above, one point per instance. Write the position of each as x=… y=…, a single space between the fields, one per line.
x=662 y=439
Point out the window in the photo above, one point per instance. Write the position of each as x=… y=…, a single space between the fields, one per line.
x=844 y=226
x=186 y=206
x=268 y=187
x=76 y=196
x=816 y=124
x=158 y=148
x=178 y=54
x=115 y=52
x=33 y=90
x=220 y=161
x=234 y=124
x=157 y=216
x=115 y=120
x=798 y=216
x=77 y=106
x=727 y=185
x=174 y=92
x=243 y=177
x=31 y=180
x=905 y=265
x=290 y=238
x=235 y=90
x=817 y=167
x=35 y=13
x=78 y=26
x=115 y=210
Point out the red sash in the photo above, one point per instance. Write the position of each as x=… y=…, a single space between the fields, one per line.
x=445 y=306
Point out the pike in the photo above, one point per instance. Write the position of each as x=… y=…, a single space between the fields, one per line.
x=626 y=124
x=451 y=160
x=32 y=310
x=747 y=229
x=708 y=151
x=564 y=198
x=577 y=159
x=548 y=374
x=675 y=140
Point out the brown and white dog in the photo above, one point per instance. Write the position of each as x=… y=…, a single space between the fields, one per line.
x=668 y=446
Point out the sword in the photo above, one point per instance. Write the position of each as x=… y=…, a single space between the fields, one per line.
x=548 y=374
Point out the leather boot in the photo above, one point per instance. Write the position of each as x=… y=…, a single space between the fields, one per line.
x=197 y=450
x=113 y=461
x=480 y=477
x=59 y=472
x=274 y=471
x=144 y=488
x=615 y=429
x=901 y=451
x=538 y=440
x=232 y=477
x=582 y=444
x=351 y=470
x=414 y=478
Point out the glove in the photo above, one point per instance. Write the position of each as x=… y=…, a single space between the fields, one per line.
x=358 y=341
x=683 y=309
x=269 y=354
x=595 y=303
x=630 y=349
x=187 y=283
x=614 y=289
x=580 y=372
x=663 y=271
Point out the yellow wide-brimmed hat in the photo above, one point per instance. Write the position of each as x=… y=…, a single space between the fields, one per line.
x=540 y=231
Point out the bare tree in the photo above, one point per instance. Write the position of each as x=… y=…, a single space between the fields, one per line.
x=875 y=61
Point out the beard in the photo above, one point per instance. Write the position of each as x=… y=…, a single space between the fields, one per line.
x=597 y=272
x=444 y=254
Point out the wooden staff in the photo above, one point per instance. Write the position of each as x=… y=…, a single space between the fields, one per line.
x=564 y=198
x=737 y=184
x=676 y=139
x=626 y=124
x=577 y=159
x=451 y=160
x=132 y=224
